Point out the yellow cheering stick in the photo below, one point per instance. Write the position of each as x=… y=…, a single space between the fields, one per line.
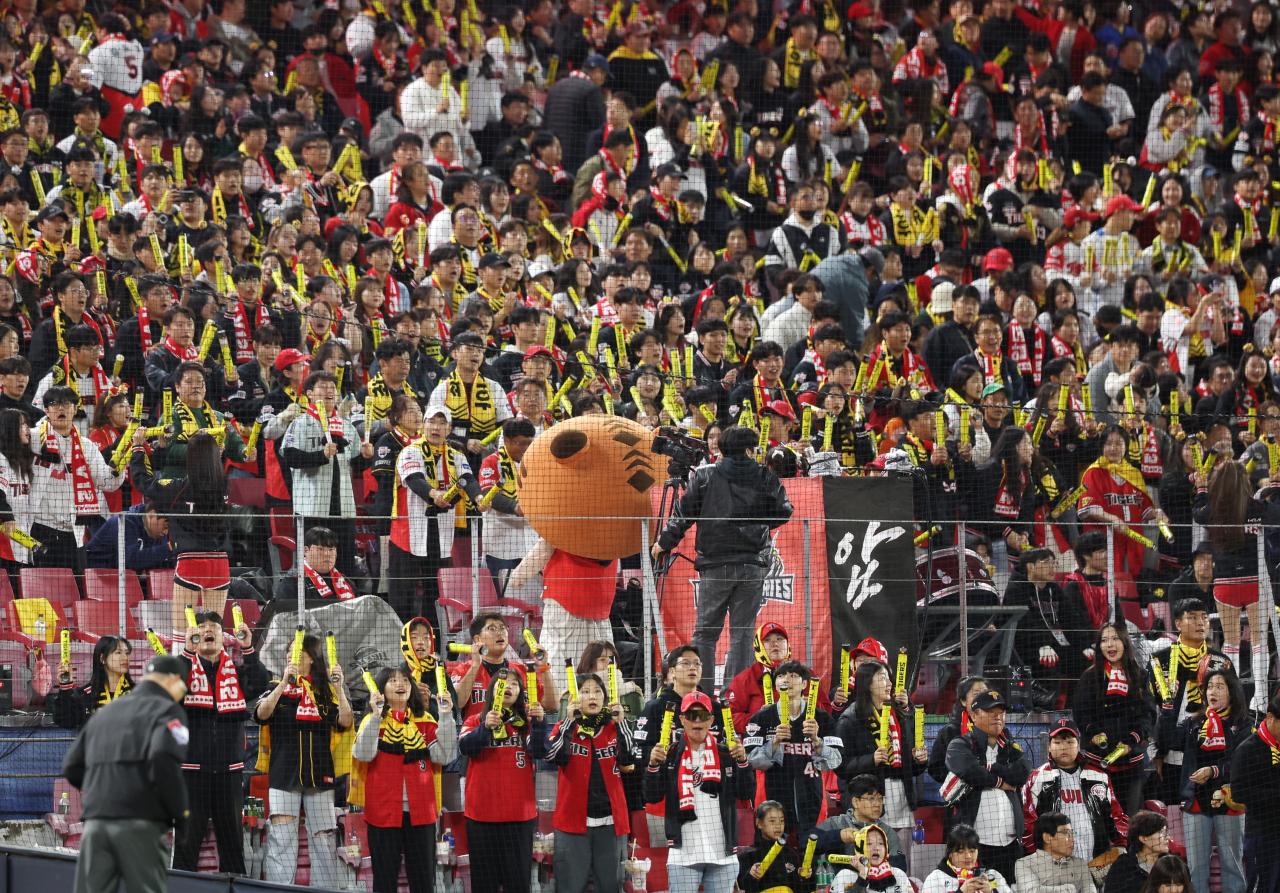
x=191 y=622
x=665 y=740
x=65 y=641
x=531 y=689
x=534 y=650
x=613 y=679
x=331 y=653
x=119 y=365
x=828 y=430
x=237 y=617
x=442 y=679
x=806 y=867
x=571 y=679
x=1137 y=537
x=885 y=742
x=369 y=682
x=811 y=706
x=489 y=497
x=499 y=701
x=784 y=705
x=1068 y=501
x=1165 y=530
x=806 y=425
x=1162 y=687
x=922 y=538
x=900 y=676
x=846 y=651
x=254 y=433
x=919 y=727
x=206 y=339
x=296 y=655
x=730 y=733
x=1111 y=758
x=767 y=861
x=156 y=645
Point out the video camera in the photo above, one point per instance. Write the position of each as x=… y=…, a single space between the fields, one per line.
x=685 y=452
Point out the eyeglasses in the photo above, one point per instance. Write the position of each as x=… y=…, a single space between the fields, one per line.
x=697 y=715
x=494 y=628
x=1065 y=832
x=689 y=664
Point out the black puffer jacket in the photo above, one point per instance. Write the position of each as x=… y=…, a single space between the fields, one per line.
x=741 y=501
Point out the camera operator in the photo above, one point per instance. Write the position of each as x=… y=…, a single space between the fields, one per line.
x=735 y=504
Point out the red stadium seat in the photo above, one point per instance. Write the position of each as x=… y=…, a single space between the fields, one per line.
x=57 y=584
x=95 y=619
x=103 y=584
x=282 y=544
x=160 y=584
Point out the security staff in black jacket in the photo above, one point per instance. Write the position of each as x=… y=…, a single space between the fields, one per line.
x=1255 y=782
x=735 y=503
x=217 y=704
x=127 y=762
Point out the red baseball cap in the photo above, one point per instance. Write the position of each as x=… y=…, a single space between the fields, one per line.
x=874 y=648
x=1075 y=215
x=860 y=10
x=288 y=357
x=538 y=350
x=1122 y=203
x=997 y=259
x=782 y=408
x=994 y=70
x=696 y=699
x=768 y=629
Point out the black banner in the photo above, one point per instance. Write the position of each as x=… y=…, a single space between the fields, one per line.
x=871 y=565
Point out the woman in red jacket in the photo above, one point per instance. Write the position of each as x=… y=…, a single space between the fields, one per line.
x=502 y=742
x=396 y=746
x=591 y=820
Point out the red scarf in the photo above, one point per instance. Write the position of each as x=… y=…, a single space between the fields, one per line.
x=557 y=173
x=86 y=494
x=329 y=425
x=1008 y=504
x=990 y=368
x=306 y=703
x=226 y=689
x=688 y=777
x=879 y=872
x=612 y=165
x=1270 y=740
x=144 y=331
x=1029 y=363
x=912 y=368
x=24 y=323
x=182 y=353
x=340 y=584
x=1117 y=682
x=1217 y=111
x=1021 y=142
x=660 y=204
x=240 y=322
x=1214 y=736
x=635 y=146
x=1152 y=466
x=895 y=739
x=101 y=384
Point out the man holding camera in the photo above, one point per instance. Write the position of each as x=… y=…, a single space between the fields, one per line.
x=735 y=503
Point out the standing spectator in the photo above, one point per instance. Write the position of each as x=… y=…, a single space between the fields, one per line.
x=575 y=107
x=590 y=747
x=502 y=742
x=1255 y=784
x=128 y=765
x=1208 y=739
x=700 y=780
x=1112 y=710
x=307 y=703
x=986 y=770
x=396 y=753
x=1065 y=785
x=217 y=699
x=108 y=680
x=731 y=558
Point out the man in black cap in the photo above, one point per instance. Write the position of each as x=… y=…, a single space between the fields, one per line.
x=162 y=58
x=575 y=107
x=985 y=771
x=211 y=53
x=660 y=214
x=127 y=762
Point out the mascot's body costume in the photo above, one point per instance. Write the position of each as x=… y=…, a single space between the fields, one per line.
x=584 y=487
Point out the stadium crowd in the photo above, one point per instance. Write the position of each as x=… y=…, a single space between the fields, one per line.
x=364 y=254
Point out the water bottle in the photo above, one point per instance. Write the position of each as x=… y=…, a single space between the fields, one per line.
x=64 y=805
x=917 y=835
x=41 y=628
x=353 y=844
x=452 y=841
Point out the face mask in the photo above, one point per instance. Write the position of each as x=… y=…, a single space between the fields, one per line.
x=252 y=182
x=317 y=52
x=805 y=215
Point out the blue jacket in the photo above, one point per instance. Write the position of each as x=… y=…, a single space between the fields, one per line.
x=141 y=552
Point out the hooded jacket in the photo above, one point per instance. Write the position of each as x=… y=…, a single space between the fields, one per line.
x=735 y=503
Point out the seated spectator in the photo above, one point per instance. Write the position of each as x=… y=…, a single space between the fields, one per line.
x=959 y=870
x=1052 y=864
x=146 y=541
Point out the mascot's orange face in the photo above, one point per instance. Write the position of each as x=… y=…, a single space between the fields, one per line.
x=583 y=484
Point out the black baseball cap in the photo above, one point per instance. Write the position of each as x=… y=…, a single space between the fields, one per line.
x=987 y=700
x=168 y=665
x=1064 y=726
